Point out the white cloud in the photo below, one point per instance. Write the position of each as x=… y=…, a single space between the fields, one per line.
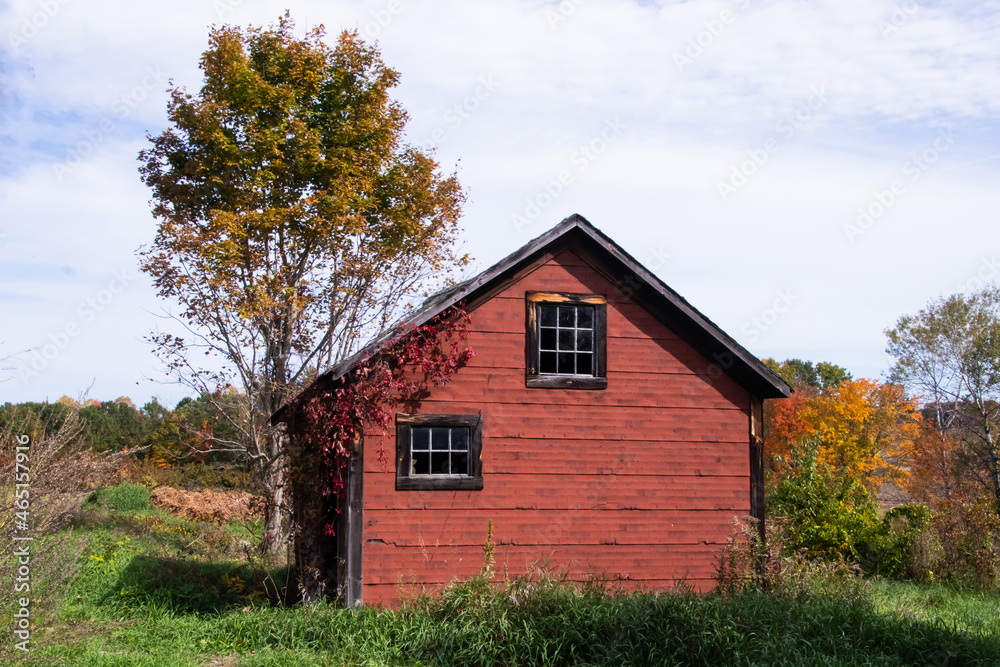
x=890 y=80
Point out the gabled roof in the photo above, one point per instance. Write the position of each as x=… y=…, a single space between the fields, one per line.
x=594 y=247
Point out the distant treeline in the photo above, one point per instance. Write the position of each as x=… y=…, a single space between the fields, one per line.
x=187 y=433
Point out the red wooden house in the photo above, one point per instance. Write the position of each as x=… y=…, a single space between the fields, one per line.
x=604 y=426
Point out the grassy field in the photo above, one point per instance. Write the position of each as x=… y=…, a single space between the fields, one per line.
x=144 y=588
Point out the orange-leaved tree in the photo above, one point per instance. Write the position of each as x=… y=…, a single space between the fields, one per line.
x=864 y=427
x=936 y=464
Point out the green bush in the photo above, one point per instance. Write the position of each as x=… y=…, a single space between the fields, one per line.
x=889 y=551
x=829 y=514
x=746 y=565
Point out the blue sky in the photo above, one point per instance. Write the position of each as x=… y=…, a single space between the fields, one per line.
x=802 y=172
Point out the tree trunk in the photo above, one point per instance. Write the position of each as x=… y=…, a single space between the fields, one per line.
x=994 y=468
x=274 y=505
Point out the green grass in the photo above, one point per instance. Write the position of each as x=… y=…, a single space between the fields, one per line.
x=155 y=590
x=123 y=498
x=551 y=625
x=970 y=610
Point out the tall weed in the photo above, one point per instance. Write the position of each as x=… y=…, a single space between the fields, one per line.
x=60 y=477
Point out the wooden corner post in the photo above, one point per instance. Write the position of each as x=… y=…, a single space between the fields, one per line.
x=757 y=499
x=350 y=567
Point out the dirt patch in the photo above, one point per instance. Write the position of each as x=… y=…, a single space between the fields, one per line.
x=208 y=505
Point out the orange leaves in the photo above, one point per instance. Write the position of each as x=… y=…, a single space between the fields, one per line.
x=864 y=426
x=933 y=463
x=125 y=400
x=783 y=424
x=69 y=402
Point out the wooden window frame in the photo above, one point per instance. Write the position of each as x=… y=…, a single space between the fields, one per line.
x=599 y=380
x=407 y=482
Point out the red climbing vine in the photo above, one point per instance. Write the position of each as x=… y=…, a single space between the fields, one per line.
x=332 y=419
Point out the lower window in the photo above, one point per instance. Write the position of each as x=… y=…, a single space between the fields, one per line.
x=439 y=451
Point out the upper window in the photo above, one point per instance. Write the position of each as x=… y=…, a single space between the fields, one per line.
x=566 y=340
x=438 y=451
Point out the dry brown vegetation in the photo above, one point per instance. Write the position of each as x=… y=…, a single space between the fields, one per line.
x=207 y=505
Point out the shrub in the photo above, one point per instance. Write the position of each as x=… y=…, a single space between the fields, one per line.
x=746 y=565
x=192 y=476
x=60 y=476
x=969 y=537
x=827 y=514
x=926 y=556
x=889 y=551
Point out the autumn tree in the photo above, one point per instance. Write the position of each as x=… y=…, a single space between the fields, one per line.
x=863 y=427
x=949 y=355
x=783 y=426
x=198 y=430
x=293 y=222
x=937 y=463
x=866 y=427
